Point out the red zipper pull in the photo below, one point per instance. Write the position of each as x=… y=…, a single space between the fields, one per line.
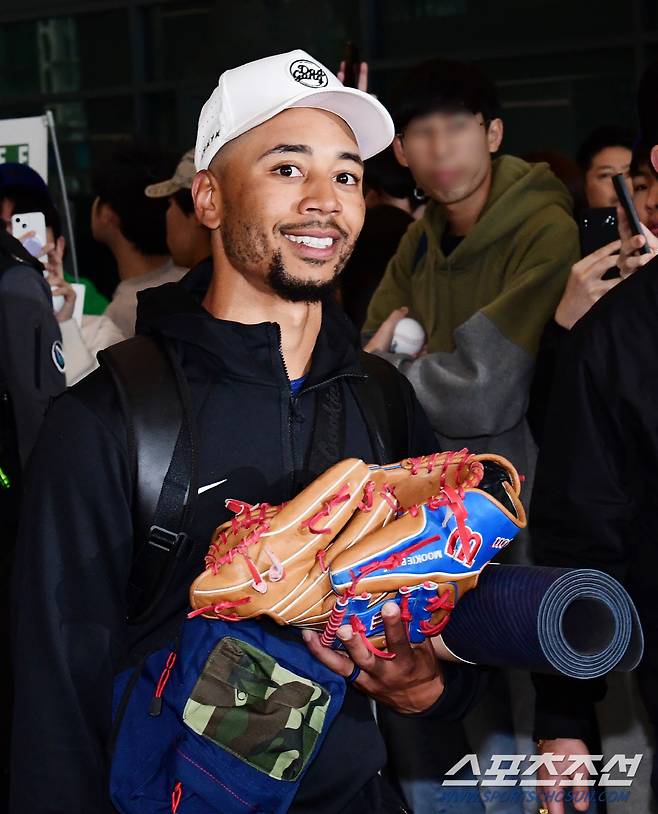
x=156 y=702
x=176 y=795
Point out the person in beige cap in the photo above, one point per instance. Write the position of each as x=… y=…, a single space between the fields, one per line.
x=188 y=240
x=133 y=229
x=188 y=243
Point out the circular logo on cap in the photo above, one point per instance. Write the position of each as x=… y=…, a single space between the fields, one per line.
x=58 y=356
x=309 y=74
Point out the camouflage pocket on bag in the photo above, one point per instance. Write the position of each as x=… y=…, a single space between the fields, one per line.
x=264 y=714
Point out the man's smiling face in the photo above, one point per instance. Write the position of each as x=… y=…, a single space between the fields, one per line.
x=291 y=202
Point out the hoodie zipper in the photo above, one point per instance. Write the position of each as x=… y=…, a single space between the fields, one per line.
x=283 y=361
x=292 y=399
x=290 y=409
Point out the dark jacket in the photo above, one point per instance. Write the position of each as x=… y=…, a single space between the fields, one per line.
x=32 y=364
x=77 y=537
x=31 y=373
x=595 y=497
x=550 y=346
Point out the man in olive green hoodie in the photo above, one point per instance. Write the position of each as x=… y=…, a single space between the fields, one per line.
x=483 y=270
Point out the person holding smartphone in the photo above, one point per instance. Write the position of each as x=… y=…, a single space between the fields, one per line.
x=590 y=279
x=594 y=503
x=80 y=343
x=31 y=375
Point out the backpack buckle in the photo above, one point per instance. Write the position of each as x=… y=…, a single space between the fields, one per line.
x=164 y=539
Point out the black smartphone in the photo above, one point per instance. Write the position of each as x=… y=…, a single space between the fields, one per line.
x=629 y=208
x=598 y=227
x=352 y=65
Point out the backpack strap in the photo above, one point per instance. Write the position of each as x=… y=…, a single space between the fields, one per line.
x=385 y=405
x=155 y=400
x=421 y=251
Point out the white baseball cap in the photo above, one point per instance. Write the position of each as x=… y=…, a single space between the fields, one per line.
x=253 y=93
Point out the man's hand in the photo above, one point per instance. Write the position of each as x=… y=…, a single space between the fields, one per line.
x=55 y=274
x=54 y=262
x=362 y=81
x=548 y=794
x=383 y=336
x=629 y=261
x=66 y=290
x=411 y=682
x=585 y=286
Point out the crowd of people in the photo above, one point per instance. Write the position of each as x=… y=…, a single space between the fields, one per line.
x=304 y=226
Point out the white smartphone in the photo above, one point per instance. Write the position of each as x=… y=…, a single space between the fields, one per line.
x=30 y=222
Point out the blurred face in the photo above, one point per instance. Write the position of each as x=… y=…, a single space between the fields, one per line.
x=599 y=190
x=645 y=197
x=290 y=202
x=449 y=154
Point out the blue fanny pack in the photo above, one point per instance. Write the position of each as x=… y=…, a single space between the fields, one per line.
x=226 y=723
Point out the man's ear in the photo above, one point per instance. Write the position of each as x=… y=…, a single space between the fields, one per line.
x=495 y=135
x=398 y=149
x=104 y=213
x=654 y=158
x=207 y=199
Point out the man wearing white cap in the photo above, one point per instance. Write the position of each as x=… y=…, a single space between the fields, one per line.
x=264 y=354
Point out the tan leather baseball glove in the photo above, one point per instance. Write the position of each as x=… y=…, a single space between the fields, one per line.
x=289 y=562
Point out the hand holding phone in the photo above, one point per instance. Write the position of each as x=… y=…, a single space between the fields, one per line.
x=639 y=246
x=590 y=279
x=629 y=208
x=30 y=229
x=597 y=227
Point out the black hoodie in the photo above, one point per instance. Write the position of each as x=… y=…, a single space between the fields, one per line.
x=76 y=543
x=595 y=499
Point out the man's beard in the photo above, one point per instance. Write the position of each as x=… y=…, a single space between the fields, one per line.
x=247 y=247
x=292 y=289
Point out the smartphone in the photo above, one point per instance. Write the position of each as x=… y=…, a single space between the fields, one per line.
x=597 y=227
x=352 y=65
x=629 y=208
x=30 y=222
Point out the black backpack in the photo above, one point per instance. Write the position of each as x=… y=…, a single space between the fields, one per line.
x=155 y=401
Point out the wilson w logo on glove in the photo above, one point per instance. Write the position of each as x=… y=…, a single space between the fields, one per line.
x=417 y=532
x=427 y=558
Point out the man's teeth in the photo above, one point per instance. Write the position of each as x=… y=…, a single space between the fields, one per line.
x=313 y=242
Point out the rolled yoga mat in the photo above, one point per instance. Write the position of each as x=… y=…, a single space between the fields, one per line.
x=575 y=622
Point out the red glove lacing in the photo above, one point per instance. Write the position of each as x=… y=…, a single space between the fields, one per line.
x=442 y=601
x=340 y=497
x=218 y=607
